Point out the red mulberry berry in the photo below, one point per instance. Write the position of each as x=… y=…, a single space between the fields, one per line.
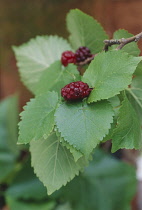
x=82 y=54
x=68 y=57
x=75 y=91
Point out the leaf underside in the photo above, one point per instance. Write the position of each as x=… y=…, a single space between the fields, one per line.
x=53 y=163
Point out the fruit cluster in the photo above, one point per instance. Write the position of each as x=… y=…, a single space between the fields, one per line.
x=75 y=91
x=81 y=54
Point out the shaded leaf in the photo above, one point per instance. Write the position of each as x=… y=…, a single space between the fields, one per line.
x=22 y=205
x=56 y=77
x=101 y=185
x=25 y=184
x=9 y=151
x=127 y=134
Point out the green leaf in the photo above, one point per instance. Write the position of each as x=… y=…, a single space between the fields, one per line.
x=34 y=57
x=53 y=163
x=109 y=73
x=56 y=77
x=38 y=117
x=9 y=151
x=115 y=102
x=22 y=205
x=76 y=153
x=127 y=134
x=101 y=185
x=85 y=31
x=82 y=125
x=135 y=91
x=25 y=184
x=65 y=206
x=131 y=48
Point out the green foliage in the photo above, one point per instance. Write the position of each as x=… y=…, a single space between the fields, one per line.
x=26 y=185
x=131 y=48
x=127 y=133
x=135 y=91
x=109 y=73
x=34 y=57
x=85 y=31
x=38 y=118
x=56 y=161
x=106 y=184
x=56 y=77
x=22 y=205
x=67 y=133
x=8 y=136
x=82 y=125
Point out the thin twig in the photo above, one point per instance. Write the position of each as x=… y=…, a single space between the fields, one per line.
x=121 y=42
x=86 y=61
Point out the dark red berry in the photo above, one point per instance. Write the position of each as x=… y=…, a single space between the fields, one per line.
x=75 y=91
x=68 y=57
x=82 y=53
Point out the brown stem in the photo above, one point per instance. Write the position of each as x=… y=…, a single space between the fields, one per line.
x=86 y=61
x=121 y=42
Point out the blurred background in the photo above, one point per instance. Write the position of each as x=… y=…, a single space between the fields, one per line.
x=21 y=20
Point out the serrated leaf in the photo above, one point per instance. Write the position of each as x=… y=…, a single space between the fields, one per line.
x=9 y=151
x=25 y=184
x=134 y=92
x=115 y=102
x=53 y=163
x=37 y=120
x=56 y=77
x=101 y=185
x=35 y=56
x=76 y=153
x=22 y=205
x=131 y=48
x=109 y=73
x=127 y=134
x=83 y=125
x=85 y=31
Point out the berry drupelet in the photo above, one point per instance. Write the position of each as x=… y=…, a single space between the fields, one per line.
x=82 y=53
x=75 y=91
x=68 y=57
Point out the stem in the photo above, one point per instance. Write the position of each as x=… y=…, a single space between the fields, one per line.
x=86 y=61
x=121 y=42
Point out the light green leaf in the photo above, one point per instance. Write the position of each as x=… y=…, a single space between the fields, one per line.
x=65 y=206
x=131 y=48
x=25 y=184
x=85 y=31
x=101 y=185
x=109 y=73
x=34 y=57
x=53 y=163
x=9 y=151
x=127 y=134
x=22 y=205
x=82 y=125
x=56 y=77
x=37 y=120
x=76 y=153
